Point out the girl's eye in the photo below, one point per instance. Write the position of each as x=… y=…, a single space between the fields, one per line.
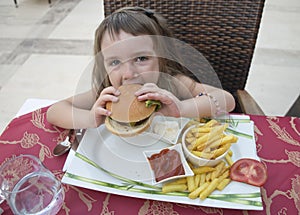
x=114 y=62
x=142 y=58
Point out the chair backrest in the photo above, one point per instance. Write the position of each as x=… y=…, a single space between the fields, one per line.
x=224 y=31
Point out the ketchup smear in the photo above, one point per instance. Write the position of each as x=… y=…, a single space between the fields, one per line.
x=165 y=164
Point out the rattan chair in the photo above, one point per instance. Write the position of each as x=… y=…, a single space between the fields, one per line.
x=224 y=31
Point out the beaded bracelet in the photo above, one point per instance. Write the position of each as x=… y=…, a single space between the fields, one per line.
x=216 y=102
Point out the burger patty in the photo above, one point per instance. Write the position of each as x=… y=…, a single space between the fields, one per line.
x=127 y=126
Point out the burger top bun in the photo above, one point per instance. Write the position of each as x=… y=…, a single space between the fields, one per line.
x=128 y=109
x=129 y=116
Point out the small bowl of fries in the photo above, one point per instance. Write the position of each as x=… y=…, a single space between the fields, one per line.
x=207 y=144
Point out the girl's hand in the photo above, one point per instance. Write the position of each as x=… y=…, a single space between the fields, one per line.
x=98 y=113
x=171 y=105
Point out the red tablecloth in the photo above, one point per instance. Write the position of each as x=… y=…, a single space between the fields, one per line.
x=278 y=146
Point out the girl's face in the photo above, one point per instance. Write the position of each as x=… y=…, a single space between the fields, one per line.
x=129 y=59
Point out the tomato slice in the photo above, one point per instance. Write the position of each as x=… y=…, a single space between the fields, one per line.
x=249 y=171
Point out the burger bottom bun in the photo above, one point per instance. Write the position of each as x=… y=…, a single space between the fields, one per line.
x=125 y=130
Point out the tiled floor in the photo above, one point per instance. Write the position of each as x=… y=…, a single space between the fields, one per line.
x=46 y=52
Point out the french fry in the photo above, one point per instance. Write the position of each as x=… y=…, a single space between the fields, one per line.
x=197 y=180
x=219 y=129
x=216 y=134
x=210 y=188
x=222 y=141
x=211 y=123
x=208 y=145
x=189 y=135
x=228 y=159
x=190 y=140
x=198 y=134
x=201 y=130
x=229 y=139
x=203 y=154
x=167 y=188
x=218 y=170
x=200 y=141
x=223 y=184
x=217 y=142
x=226 y=168
x=208 y=177
x=190 y=183
x=203 y=169
x=235 y=139
x=178 y=181
x=221 y=150
x=230 y=153
x=190 y=148
x=224 y=175
x=195 y=194
x=202 y=178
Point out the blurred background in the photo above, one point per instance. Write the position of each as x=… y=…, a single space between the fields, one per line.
x=45 y=50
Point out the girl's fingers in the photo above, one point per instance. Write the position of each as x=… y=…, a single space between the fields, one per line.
x=100 y=111
x=98 y=116
x=152 y=96
x=103 y=99
x=107 y=94
x=148 y=88
x=164 y=97
x=110 y=90
x=151 y=91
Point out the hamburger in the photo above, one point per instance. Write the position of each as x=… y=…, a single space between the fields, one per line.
x=129 y=116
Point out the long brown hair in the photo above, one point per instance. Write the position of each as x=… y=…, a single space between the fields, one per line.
x=136 y=21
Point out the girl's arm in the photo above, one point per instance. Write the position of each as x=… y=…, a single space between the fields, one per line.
x=73 y=112
x=211 y=102
x=82 y=110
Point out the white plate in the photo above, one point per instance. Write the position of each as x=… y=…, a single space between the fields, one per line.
x=107 y=152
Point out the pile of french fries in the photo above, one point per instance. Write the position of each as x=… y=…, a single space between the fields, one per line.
x=209 y=141
x=206 y=179
x=206 y=141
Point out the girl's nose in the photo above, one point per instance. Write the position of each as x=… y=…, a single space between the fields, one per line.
x=128 y=71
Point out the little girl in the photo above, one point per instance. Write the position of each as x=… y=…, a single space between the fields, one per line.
x=129 y=49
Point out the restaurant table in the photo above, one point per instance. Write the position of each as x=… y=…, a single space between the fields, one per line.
x=277 y=144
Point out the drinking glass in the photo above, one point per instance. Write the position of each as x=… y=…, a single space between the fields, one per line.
x=29 y=187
